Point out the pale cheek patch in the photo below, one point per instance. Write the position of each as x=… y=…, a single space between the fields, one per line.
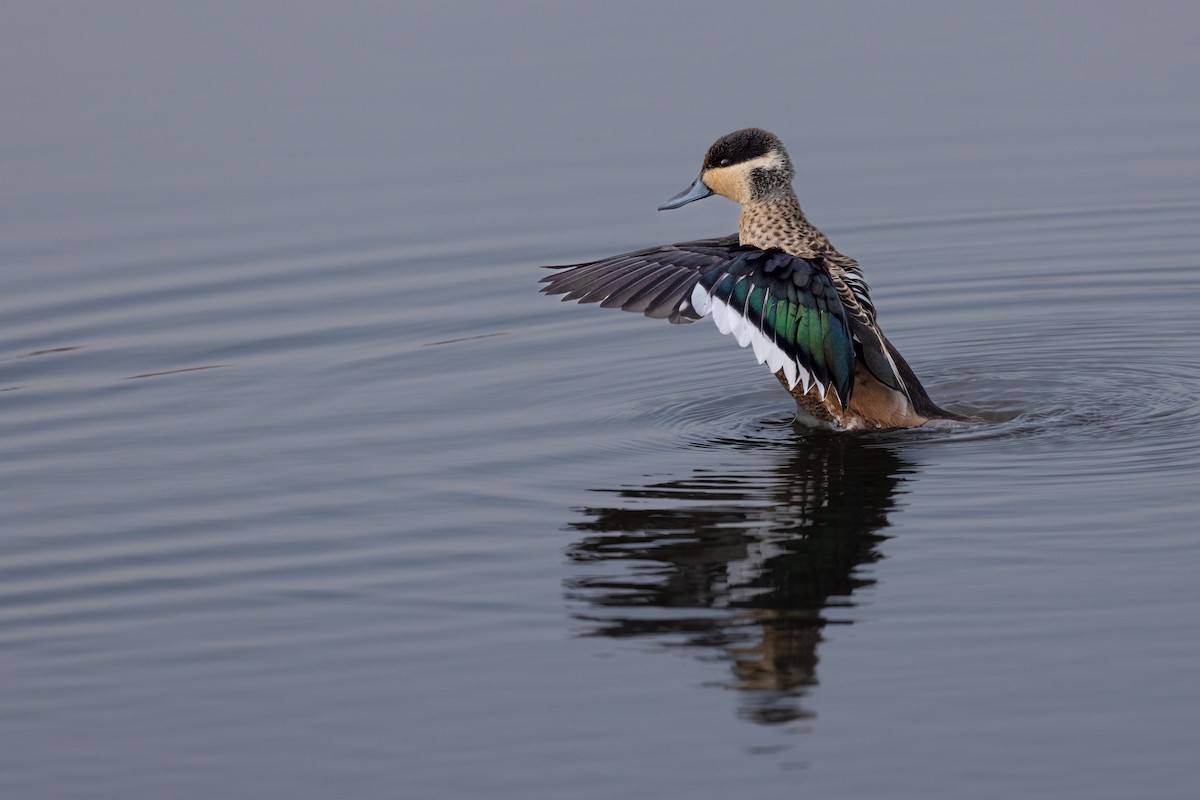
x=726 y=182
x=734 y=181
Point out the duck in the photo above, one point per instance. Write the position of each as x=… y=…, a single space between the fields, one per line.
x=778 y=286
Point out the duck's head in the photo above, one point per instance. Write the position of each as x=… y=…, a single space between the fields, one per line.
x=746 y=166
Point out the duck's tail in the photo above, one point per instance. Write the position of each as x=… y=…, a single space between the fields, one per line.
x=921 y=401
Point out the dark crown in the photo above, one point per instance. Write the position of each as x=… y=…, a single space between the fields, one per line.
x=740 y=146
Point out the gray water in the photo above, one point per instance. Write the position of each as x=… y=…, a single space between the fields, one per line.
x=306 y=492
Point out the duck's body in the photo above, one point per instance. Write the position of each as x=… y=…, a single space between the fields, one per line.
x=778 y=285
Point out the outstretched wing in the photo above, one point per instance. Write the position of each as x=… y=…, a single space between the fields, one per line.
x=657 y=282
x=786 y=307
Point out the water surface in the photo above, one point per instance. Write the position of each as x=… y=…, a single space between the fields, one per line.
x=306 y=491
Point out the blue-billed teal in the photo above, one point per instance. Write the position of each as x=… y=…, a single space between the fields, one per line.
x=778 y=285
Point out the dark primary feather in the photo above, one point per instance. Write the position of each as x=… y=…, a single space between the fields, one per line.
x=657 y=281
x=871 y=349
x=793 y=301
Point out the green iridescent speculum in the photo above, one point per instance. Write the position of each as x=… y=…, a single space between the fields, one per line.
x=810 y=332
x=794 y=320
x=788 y=318
x=769 y=313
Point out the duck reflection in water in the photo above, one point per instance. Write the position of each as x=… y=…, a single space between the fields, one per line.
x=741 y=563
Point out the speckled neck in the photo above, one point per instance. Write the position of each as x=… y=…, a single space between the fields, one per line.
x=777 y=221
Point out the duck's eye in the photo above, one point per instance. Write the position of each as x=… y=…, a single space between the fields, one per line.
x=724 y=162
